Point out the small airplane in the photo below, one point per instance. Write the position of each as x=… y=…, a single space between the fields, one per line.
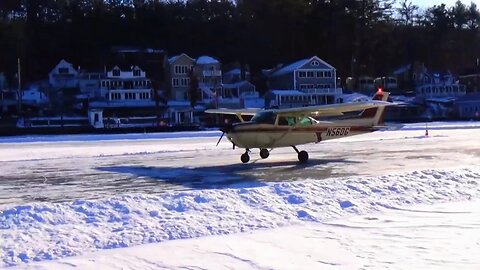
x=275 y=128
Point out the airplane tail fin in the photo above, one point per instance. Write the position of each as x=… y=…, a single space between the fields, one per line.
x=376 y=114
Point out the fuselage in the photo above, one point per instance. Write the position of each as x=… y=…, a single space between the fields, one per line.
x=258 y=135
x=274 y=128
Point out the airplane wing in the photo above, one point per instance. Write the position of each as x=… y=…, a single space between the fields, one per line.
x=251 y=111
x=332 y=109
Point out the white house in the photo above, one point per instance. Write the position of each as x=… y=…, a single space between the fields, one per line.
x=63 y=75
x=436 y=85
x=126 y=88
x=209 y=74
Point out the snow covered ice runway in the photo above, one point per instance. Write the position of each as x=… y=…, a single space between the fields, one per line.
x=69 y=196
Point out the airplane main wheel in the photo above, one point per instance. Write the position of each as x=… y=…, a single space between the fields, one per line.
x=303 y=156
x=245 y=158
x=264 y=153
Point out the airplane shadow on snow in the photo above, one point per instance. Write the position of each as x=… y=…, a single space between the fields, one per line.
x=254 y=174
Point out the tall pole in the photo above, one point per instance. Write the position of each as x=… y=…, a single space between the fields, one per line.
x=19 y=90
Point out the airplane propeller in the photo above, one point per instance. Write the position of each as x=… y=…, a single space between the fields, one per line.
x=224 y=130
x=223 y=133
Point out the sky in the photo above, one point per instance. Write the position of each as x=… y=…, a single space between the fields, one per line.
x=431 y=3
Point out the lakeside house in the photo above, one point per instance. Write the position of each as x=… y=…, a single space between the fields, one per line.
x=194 y=85
x=182 y=87
x=125 y=96
x=310 y=81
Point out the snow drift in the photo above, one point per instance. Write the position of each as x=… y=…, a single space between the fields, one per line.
x=46 y=231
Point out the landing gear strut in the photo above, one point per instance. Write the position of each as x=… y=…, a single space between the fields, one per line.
x=264 y=153
x=302 y=155
x=245 y=157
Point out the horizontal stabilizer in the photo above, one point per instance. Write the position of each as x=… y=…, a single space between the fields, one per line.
x=389 y=127
x=250 y=111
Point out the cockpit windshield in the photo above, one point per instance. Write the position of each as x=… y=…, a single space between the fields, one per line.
x=264 y=117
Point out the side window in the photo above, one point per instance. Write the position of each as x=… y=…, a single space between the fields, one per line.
x=291 y=121
x=286 y=121
x=282 y=121
x=305 y=121
x=265 y=117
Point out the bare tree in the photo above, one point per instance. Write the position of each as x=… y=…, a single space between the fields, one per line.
x=473 y=17
x=459 y=15
x=407 y=12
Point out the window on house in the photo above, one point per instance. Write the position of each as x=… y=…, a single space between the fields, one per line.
x=130 y=96
x=180 y=82
x=182 y=69
x=323 y=86
x=328 y=74
x=310 y=74
x=116 y=72
x=175 y=82
x=307 y=86
x=63 y=71
x=136 y=72
x=115 y=96
x=302 y=74
x=315 y=63
x=185 y=82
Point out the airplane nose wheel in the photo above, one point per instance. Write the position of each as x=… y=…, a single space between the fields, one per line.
x=245 y=157
x=264 y=153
